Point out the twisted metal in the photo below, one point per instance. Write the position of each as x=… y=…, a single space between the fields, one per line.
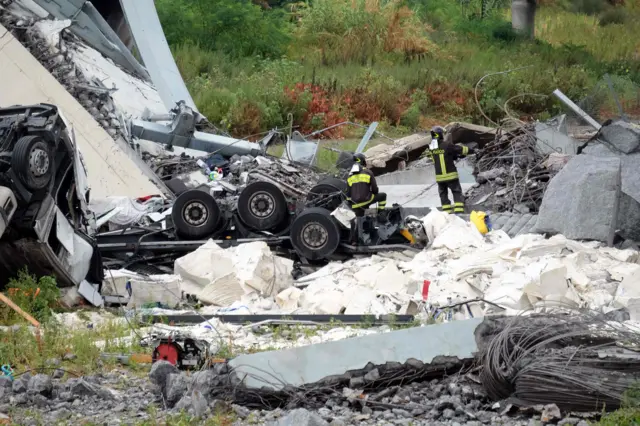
x=580 y=362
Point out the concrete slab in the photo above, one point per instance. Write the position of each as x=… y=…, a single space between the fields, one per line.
x=24 y=81
x=413 y=196
x=424 y=175
x=310 y=364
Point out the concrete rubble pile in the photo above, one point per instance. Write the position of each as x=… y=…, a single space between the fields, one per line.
x=516 y=274
x=600 y=188
x=465 y=273
x=512 y=173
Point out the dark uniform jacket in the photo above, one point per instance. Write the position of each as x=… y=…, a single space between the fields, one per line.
x=362 y=187
x=443 y=159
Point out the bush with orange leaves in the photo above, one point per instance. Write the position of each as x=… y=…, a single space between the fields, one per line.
x=321 y=109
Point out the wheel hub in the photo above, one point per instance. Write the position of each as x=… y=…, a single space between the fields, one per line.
x=314 y=235
x=195 y=213
x=38 y=162
x=262 y=205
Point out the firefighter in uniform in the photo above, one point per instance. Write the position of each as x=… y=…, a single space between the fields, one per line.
x=362 y=189
x=444 y=154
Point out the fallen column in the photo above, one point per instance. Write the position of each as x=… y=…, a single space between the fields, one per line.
x=348 y=359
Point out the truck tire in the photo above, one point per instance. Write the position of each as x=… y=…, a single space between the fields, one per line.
x=262 y=206
x=195 y=214
x=32 y=162
x=314 y=234
x=325 y=187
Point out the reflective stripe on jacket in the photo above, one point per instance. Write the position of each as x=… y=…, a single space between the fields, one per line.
x=444 y=160
x=361 y=187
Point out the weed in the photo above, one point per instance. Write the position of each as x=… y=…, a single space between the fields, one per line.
x=34 y=296
x=20 y=348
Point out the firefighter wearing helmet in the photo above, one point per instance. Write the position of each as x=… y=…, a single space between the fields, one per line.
x=362 y=189
x=444 y=153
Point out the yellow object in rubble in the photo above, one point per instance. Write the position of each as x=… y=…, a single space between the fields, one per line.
x=478 y=219
x=405 y=233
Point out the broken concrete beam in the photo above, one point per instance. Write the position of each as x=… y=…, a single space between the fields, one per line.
x=582 y=200
x=25 y=81
x=622 y=135
x=310 y=364
x=629 y=210
x=201 y=141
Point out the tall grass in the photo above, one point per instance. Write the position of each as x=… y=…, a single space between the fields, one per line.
x=402 y=62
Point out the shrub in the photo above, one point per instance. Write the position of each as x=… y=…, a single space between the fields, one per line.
x=236 y=27
x=345 y=31
x=613 y=16
x=34 y=296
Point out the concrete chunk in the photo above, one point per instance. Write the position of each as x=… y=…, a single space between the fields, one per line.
x=624 y=136
x=582 y=200
x=301 y=417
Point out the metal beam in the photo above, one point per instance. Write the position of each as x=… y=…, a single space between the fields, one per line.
x=365 y=139
x=568 y=102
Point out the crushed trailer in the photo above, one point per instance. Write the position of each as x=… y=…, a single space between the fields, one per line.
x=304 y=225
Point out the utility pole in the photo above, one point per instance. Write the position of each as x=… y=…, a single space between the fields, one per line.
x=523 y=17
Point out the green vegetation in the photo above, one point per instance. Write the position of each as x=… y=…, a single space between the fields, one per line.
x=34 y=296
x=78 y=348
x=629 y=412
x=255 y=65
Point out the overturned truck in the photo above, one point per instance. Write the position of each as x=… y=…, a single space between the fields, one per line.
x=310 y=225
x=45 y=223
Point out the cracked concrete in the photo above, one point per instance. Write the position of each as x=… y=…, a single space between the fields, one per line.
x=310 y=364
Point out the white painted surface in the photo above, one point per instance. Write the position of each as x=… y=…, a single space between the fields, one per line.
x=24 y=81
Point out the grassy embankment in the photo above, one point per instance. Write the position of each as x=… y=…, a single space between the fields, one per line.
x=408 y=63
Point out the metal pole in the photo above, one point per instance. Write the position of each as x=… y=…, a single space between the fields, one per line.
x=568 y=102
x=365 y=139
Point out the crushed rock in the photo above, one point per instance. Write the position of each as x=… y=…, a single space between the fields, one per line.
x=449 y=401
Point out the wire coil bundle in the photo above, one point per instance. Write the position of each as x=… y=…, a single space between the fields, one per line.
x=579 y=362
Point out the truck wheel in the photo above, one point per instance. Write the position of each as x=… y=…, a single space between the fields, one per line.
x=195 y=214
x=262 y=206
x=314 y=234
x=32 y=162
x=321 y=191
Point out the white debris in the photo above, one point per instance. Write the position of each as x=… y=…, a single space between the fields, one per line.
x=288 y=298
x=220 y=277
x=450 y=231
x=165 y=288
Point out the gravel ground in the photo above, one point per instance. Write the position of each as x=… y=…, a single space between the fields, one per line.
x=125 y=397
